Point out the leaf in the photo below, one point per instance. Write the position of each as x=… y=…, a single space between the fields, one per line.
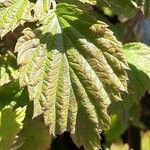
x=41 y=8
x=119 y=146
x=9 y=69
x=10 y=125
x=73 y=67
x=34 y=136
x=115 y=131
x=145 y=140
x=13 y=13
x=138 y=54
x=127 y=8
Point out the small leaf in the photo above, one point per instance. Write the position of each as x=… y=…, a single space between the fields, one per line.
x=9 y=69
x=10 y=125
x=115 y=131
x=34 y=136
x=119 y=146
x=138 y=54
x=145 y=140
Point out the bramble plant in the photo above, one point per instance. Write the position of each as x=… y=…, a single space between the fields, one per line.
x=64 y=67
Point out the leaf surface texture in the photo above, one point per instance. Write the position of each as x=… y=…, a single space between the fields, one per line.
x=73 y=67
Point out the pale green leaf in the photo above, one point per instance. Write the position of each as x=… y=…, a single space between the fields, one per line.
x=119 y=146
x=13 y=13
x=73 y=67
x=145 y=140
x=8 y=68
x=138 y=54
x=41 y=8
x=10 y=125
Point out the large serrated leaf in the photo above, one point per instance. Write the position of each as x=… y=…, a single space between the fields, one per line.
x=10 y=125
x=13 y=13
x=8 y=68
x=73 y=67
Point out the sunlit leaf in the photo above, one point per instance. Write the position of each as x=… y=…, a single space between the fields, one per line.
x=10 y=125
x=8 y=68
x=73 y=67
x=13 y=13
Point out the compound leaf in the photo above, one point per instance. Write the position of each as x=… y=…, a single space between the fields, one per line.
x=73 y=67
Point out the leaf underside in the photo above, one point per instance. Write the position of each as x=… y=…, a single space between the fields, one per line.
x=73 y=67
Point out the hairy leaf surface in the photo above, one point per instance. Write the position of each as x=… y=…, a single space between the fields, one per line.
x=13 y=13
x=73 y=67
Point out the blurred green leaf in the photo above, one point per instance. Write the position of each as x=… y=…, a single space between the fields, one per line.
x=10 y=125
x=35 y=135
x=127 y=8
x=119 y=146
x=115 y=131
x=138 y=54
x=145 y=140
